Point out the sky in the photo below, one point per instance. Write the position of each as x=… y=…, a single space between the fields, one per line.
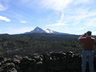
x=67 y=16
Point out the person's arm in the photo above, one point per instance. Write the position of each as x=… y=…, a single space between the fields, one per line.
x=81 y=36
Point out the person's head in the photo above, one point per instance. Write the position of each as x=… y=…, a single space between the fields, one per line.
x=89 y=33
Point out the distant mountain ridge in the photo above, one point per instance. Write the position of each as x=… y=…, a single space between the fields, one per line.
x=40 y=30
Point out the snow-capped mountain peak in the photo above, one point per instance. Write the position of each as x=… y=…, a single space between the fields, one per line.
x=49 y=31
x=38 y=30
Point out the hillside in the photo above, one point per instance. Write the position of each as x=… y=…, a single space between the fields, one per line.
x=25 y=44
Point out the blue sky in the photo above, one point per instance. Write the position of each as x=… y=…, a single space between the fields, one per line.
x=67 y=16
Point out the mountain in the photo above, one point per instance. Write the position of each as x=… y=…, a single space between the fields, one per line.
x=51 y=31
x=37 y=30
x=40 y=30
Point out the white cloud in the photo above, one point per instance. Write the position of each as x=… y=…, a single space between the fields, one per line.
x=57 y=24
x=81 y=16
x=76 y=18
x=91 y=23
x=2 y=18
x=55 y=4
x=4 y=4
x=58 y=5
x=2 y=7
x=81 y=28
x=60 y=22
x=76 y=2
x=23 y=21
x=49 y=4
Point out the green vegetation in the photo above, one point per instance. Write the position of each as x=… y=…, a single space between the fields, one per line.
x=25 y=44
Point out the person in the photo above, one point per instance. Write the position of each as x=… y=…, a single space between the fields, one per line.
x=87 y=52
